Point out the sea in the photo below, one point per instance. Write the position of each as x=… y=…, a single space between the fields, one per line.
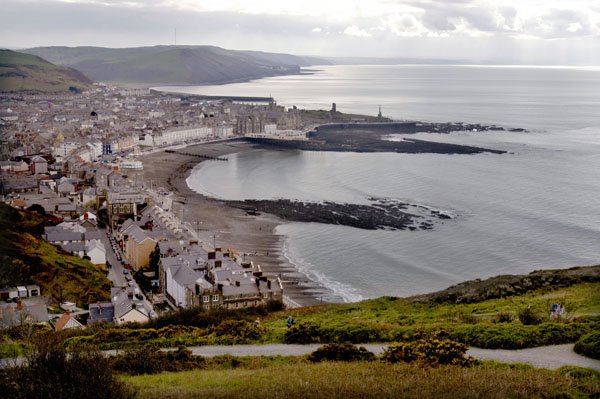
x=535 y=207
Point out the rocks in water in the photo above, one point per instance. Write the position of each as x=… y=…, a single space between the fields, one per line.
x=384 y=214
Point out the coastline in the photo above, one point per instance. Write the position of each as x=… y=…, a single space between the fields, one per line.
x=228 y=227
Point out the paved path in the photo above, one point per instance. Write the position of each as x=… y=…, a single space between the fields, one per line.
x=549 y=357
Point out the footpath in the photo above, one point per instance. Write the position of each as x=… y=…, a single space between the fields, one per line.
x=548 y=357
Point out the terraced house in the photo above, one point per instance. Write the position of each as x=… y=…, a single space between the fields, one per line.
x=213 y=280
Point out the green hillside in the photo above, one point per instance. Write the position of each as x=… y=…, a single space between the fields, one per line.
x=26 y=72
x=27 y=259
x=173 y=64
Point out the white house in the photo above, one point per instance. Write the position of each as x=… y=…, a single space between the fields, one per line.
x=96 y=251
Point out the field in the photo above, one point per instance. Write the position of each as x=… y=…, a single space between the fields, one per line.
x=365 y=380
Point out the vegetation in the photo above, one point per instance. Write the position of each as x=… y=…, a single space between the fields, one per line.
x=25 y=72
x=589 y=345
x=27 y=259
x=433 y=352
x=364 y=380
x=346 y=352
x=151 y=360
x=488 y=324
x=51 y=372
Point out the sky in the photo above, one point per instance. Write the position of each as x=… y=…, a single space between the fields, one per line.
x=547 y=32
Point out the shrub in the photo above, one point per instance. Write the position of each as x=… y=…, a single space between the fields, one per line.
x=151 y=360
x=589 y=345
x=429 y=351
x=503 y=317
x=51 y=372
x=305 y=333
x=528 y=317
x=352 y=333
x=239 y=329
x=341 y=352
x=517 y=336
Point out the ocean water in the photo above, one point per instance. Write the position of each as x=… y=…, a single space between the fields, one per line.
x=538 y=206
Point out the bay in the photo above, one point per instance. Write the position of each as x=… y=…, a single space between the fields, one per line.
x=538 y=206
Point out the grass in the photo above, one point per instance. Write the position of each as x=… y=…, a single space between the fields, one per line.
x=364 y=380
x=28 y=259
x=388 y=313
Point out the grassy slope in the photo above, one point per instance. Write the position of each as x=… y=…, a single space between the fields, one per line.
x=171 y=64
x=388 y=314
x=25 y=72
x=364 y=380
x=28 y=259
x=393 y=319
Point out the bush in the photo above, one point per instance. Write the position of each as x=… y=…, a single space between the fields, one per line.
x=305 y=333
x=429 y=351
x=517 y=336
x=52 y=373
x=241 y=329
x=341 y=352
x=528 y=317
x=310 y=333
x=151 y=360
x=589 y=345
x=503 y=317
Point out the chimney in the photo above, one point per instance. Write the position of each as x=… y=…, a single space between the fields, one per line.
x=269 y=284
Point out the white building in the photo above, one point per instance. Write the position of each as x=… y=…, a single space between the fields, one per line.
x=96 y=252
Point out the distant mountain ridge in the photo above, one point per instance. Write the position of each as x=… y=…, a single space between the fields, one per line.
x=26 y=72
x=174 y=65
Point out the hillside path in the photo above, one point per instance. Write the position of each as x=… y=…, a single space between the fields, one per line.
x=549 y=357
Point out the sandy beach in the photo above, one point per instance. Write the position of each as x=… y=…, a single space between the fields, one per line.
x=227 y=227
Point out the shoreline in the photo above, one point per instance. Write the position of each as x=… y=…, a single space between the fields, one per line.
x=228 y=227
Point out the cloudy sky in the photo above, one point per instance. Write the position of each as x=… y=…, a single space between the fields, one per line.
x=504 y=31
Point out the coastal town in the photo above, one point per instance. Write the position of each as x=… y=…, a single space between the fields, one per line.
x=78 y=159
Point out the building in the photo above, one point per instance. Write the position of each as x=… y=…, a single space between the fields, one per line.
x=212 y=280
x=137 y=244
x=38 y=165
x=129 y=306
x=101 y=312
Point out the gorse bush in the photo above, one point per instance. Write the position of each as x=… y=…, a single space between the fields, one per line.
x=528 y=317
x=151 y=360
x=429 y=351
x=309 y=333
x=589 y=345
x=503 y=317
x=242 y=329
x=341 y=352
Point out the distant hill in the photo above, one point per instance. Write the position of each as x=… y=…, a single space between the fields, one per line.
x=26 y=72
x=174 y=64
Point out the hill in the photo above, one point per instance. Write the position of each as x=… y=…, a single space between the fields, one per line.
x=173 y=65
x=26 y=72
x=27 y=259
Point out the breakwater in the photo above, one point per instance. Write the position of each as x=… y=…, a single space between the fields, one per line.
x=369 y=137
